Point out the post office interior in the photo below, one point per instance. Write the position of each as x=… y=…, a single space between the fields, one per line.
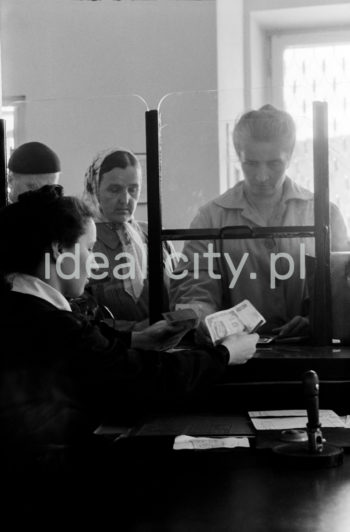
x=80 y=76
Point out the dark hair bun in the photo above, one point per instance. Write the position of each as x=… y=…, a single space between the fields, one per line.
x=42 y=196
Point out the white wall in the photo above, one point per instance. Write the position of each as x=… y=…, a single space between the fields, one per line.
x=230 y=78
x=79 y=54
x=57 y=48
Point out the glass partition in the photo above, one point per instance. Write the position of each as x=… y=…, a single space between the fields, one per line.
x=339 y=157
x=198 y=159
x=189 y=154
x=198 y=163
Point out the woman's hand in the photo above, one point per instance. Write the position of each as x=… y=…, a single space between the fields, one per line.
x=160 y=336
x=241 y=347
x=297 y=326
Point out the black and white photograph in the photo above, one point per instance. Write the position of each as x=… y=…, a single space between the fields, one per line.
x=175 y=265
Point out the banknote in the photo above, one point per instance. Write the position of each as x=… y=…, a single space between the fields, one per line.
x=249 y=315
x=222 y=324
x=243 y=317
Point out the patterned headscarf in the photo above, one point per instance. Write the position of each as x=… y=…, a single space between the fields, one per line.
x=129 y=237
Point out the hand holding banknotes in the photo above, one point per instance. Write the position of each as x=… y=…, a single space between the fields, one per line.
x=242 y=318
x=241 y=347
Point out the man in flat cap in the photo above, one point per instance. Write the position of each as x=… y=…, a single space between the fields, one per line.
x=32 y=165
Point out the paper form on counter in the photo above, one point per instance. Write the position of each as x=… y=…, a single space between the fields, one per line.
x=189 y=442
x=291 y=419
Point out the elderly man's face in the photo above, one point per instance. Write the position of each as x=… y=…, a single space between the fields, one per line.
x=18 y=184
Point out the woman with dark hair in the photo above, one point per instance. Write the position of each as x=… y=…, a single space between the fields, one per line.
x=267 y=271
x=58 y=368
x=112 y=190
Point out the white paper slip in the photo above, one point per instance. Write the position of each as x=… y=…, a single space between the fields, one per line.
x=328 y=419
x=281 y=413
x=326 y=416
x=202 y=443
x=276 y=423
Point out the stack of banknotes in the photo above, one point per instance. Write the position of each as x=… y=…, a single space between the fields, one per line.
x=242 y=318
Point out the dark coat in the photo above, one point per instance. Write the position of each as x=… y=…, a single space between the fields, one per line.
x=58 y=370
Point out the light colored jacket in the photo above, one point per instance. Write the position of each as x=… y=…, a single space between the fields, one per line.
x=252 y=268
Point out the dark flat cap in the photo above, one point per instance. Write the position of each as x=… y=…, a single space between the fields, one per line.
x=34 y=158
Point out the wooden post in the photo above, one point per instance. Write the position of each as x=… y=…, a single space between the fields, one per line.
x=3 y=172
x=155 y=253
x=322 y=312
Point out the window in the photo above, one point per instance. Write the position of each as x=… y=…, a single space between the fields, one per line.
x=309 y=67
x=12 y=111
x=8 y=113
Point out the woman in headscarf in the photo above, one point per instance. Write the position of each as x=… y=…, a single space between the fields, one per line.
x=112 y=189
